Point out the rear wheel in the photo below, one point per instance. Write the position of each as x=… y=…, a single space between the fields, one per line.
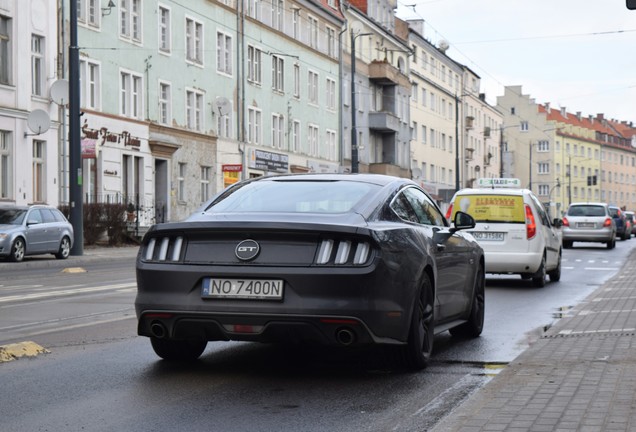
x=18 y=250
x=538 y=279
x=417 y=352
x=65 y=249
x=475 y=324
x=611 y=244
x=555 y=275
x=178 y=350
x=567 y=244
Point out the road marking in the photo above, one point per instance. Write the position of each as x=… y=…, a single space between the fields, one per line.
x=589 y=312
x=66 y=292
x=620 y=330
x=600 y=299
x=22 y=349
x=601 y=268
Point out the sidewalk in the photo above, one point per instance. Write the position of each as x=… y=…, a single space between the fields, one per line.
x=580 y=376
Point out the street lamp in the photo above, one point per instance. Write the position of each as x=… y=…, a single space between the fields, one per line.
x=354 y=136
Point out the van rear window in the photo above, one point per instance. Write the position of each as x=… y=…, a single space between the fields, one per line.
x=492 y=208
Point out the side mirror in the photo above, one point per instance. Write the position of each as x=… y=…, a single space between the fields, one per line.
x=463 y=221
x=32 y=222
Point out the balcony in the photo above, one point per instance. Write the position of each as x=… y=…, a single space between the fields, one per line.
x=384 y=121
x=389 y=169
x=384 y=73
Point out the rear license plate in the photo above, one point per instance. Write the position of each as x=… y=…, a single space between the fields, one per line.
x=488 y=236
x=585 y=225
x=263 y=289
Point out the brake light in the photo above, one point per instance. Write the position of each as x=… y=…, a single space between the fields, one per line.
x=607 y=223
x=531 y=225
x=449 y=212
x=566 y=222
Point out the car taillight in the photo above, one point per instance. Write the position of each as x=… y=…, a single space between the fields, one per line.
x=566 y=222
x=343 y=252
x=607 y=223
x=449 y=212
x=163 y=249
x=531 y=225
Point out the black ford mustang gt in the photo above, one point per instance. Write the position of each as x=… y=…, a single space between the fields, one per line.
x=334 y=259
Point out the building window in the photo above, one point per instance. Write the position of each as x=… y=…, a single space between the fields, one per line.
x=543 y=146
x=523 y=126
x=254 y=64
x=424 y=135
x=5 y=165
x=278 y=130
x=331 y=144
x=296 y=23
x=131 y=95
x=39 y=172
x=278 y=14
x=254 y=9
x=205 y=183
x=194 y=110
x=90 y=82
x=543 y=168
x=165 y=33
x=37 y=65
x=331 y=94
x=181 y=176
x=297 y=81
x=224 y=53
x=312 y=86
x=253 y=125
x=332 y=43
x=278 y=74
x=312 y=137
x=5 y=50
x=296 y=136
x=313 y=31
x=224 y=125
x=194 y=41
x=88 y=12
x=130 y=19
x=165 y=103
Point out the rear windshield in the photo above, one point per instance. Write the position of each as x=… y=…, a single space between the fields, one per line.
x=586 y=210
x=293 y=197
x=492 y=208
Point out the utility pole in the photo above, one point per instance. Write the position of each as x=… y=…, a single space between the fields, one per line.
x=75 y=147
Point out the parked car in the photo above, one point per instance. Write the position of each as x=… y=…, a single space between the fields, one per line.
x=34 y=230
x=589 y=222
x=513 y=228
x=629 y=215
x=621 y=222
x=341 y=260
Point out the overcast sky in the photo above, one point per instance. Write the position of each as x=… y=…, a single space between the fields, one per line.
x=578 y=54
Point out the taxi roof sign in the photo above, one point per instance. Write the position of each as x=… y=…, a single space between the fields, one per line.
x=499 y=182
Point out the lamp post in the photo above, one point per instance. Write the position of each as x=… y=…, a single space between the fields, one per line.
x=74 y=142
x=354 y=135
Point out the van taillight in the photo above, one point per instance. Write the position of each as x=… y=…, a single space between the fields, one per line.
x=531 y=225
x=607 y=223
x=449 y=212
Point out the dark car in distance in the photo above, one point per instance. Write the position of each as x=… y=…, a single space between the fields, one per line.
x=331 y=259
x=621 y=222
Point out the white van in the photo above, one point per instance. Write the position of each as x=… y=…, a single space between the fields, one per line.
x=513 y=228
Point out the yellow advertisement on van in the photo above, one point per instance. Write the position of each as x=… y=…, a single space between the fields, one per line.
x=491 y=208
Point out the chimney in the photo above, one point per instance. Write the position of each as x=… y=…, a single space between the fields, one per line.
x=591 y=118
x=578 y=115
x=564 y=112
x=600 y=116
x=547 y=107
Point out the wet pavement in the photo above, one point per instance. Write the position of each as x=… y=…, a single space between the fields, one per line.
x=579 y=376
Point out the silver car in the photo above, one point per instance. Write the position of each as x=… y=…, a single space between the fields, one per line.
x=589 y=222
x=33 y=230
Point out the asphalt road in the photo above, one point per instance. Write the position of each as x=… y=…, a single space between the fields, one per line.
x=100 y=376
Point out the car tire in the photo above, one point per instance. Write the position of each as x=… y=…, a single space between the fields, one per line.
x=65 y=248
x=567 y=244
x=555 y=275
x=178 y=350
x=538 y=279
x=18 y=250
x=475 y=324
x=611 y=244
x=416 y=354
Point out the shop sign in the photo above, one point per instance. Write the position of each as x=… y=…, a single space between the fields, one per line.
x=268 y=161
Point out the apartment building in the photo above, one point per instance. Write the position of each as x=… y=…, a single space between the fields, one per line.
x=29 y=118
